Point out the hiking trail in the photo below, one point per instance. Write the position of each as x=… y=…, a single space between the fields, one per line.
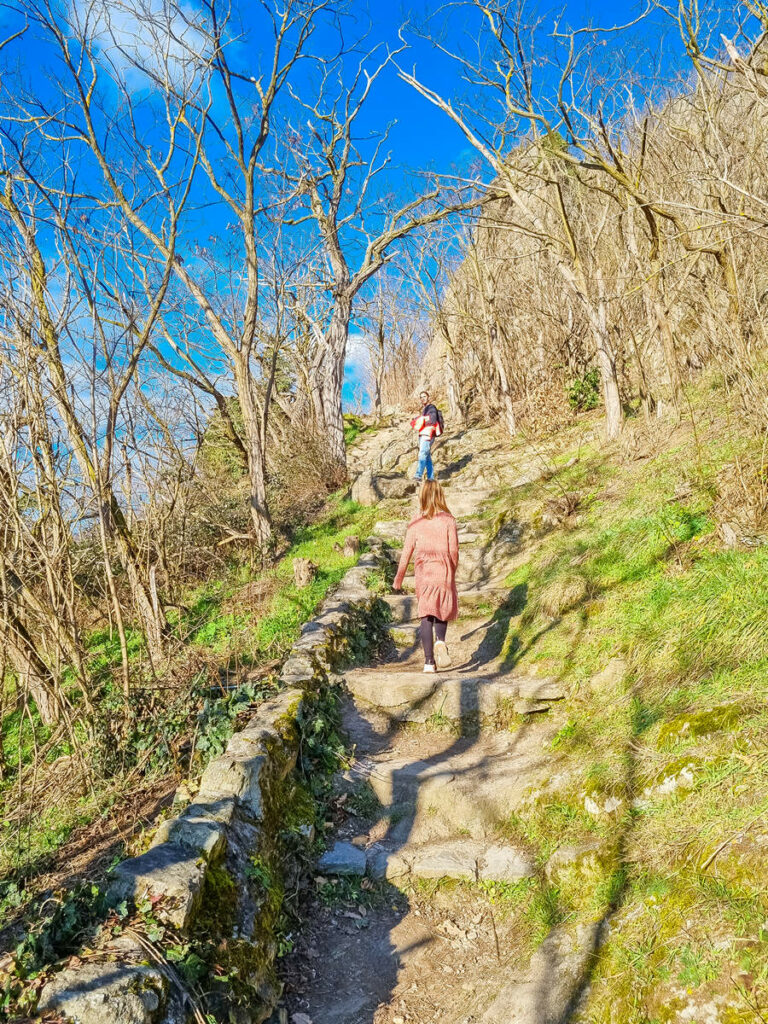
x=439 y=764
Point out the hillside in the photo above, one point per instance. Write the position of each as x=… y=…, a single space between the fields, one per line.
x=241 y=245
x=570 y=824
x=637 y=801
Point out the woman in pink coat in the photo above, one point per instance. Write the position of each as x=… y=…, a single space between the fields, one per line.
x=434 y=539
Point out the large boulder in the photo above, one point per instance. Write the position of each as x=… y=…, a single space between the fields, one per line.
x=370 y=488
x=111 y=993
x=363 y=491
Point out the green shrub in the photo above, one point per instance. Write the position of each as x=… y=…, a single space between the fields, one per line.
x=584 y=392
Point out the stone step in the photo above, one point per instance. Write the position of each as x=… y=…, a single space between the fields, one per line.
x=465 y=502
x=404 y=608
x=469 y=787
x=395 y=530
x=416 y=696
x=466 y=859
x=404 y=635
x=460 y=858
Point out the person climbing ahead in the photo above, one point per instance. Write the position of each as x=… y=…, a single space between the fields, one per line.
x=432 y=540
x=428 y=425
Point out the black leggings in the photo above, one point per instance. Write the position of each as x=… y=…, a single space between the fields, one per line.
x=425 y=631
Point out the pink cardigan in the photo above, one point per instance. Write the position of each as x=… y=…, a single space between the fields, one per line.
x=436 y=545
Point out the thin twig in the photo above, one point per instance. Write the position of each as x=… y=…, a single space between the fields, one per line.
x=730 y=839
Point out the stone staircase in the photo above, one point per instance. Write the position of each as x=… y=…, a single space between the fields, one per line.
x=449 y=758
x=448 y=790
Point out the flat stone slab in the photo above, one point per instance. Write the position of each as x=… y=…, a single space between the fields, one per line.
x=111 y=993
x=201 y=835
x=415 y=697
x=460 y=858
x=452 y=859
x=390 y=689
x=391 y=529
x=472 y=788
x=169 y=871
x=342 y=859
x=404 y=635
x=235 y=776
x=501 y=863
x=402 y=607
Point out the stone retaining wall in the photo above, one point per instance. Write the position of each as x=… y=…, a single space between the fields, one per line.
x=214 y=874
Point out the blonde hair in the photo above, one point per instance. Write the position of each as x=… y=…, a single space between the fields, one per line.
x=432 y=498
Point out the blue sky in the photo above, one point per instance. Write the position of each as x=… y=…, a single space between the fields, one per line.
x=421 y=137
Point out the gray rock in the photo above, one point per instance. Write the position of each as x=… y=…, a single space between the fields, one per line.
x=355 y=578
x=390 y=689
x=455 y=858
x=250 y=742
x=199 y=834
x=504 y=864
x=403 y=607
x=170 y=871
x=222 y=811
x=342 y=859
x=363 y=491
x=403 y=635
x=393 y=485
x=236 y=777
x=540 y=689
x=300 y=665
x=391 y=529
x=111 y=993
x=387 y=863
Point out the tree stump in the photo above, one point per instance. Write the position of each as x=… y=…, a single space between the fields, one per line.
x=304 y=571
x=351 y=546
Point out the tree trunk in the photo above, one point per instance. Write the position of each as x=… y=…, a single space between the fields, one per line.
x=257 y=466
x=506 y=396
x=452 y=383
x=32 y=671
x=597 y=314
x=333 y=380
x=378 y=375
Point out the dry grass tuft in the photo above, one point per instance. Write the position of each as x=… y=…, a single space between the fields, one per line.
x=563 y=594
x=741 y=506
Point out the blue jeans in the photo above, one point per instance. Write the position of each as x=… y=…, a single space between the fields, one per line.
x=425 y=459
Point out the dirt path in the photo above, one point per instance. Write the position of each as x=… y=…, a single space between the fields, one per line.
x=439 y=764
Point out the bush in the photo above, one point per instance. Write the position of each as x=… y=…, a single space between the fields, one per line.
x=584 y=392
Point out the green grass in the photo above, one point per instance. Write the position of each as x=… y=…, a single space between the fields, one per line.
x=213 y=622
x=639 y=573
x=353 y=428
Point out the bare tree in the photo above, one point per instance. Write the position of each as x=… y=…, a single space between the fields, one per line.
x=335 y=179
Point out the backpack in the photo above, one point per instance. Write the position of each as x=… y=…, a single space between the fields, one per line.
x=435 y=417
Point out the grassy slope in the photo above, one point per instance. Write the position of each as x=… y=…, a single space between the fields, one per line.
x=220 y=631
x=639 y=573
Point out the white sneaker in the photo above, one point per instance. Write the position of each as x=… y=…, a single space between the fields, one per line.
x=430 y=668
x=442 y=655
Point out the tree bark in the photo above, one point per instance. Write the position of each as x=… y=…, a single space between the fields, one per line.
x=32 y=671
x=257 y=470
x=332 y=380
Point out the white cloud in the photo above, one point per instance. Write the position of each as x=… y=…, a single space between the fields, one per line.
x=143 y=41
x=358 y=361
